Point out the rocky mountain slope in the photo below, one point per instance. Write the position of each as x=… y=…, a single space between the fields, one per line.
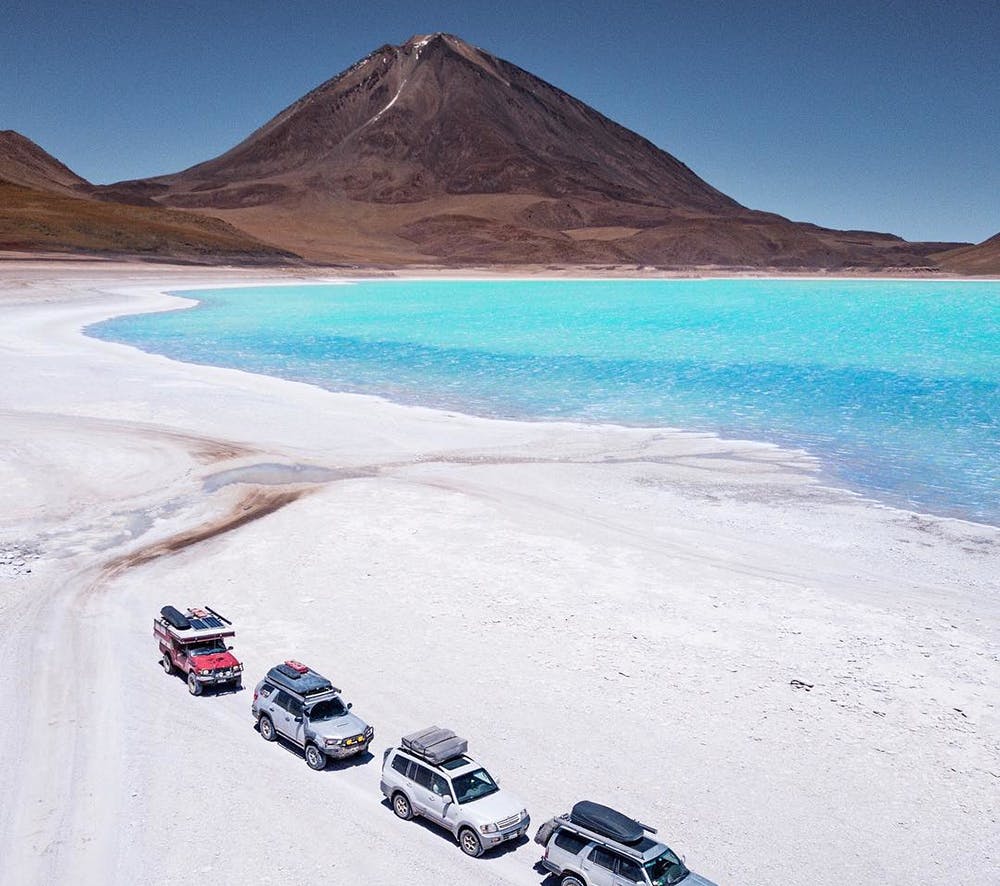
x=983 y=258
x=437 y=151
x=45 y=206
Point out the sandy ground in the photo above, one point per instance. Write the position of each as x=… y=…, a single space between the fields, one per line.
x=606 y=613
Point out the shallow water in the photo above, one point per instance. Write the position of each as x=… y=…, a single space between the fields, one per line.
x=895 y=385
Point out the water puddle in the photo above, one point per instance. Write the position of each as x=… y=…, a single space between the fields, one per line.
x=276 y=474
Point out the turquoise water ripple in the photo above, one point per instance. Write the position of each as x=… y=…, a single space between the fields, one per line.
x=894 y=385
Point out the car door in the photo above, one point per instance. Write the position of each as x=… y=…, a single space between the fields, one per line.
x=599 y=866
x=437 y=806
x=629 y=872
x=296 y=723
x=280 y=716
x=422 y=794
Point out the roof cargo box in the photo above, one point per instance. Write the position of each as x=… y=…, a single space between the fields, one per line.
x=308 y=683
x=607 y=822
x=435 y=745
x=175 y=618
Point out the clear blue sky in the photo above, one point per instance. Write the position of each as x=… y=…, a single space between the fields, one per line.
x=848 y=113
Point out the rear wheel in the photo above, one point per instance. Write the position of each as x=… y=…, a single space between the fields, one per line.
x=469 y=842
x=401 y=806
x=167 y=664
x=315 y=758
x=266 y=728
x=194 y=687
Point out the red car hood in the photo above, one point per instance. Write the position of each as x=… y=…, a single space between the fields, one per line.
x=214 y=661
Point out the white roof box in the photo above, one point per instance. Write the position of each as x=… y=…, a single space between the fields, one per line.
x=435 y=745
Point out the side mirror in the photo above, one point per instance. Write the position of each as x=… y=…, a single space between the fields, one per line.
x=446 y=798
x=229 y=649
x=350 y=705
x=298 y=719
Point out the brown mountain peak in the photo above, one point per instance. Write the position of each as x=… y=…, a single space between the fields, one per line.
x=22 y=162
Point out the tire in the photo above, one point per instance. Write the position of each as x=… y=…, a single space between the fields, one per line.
x=571 y=880
x=469 y=842
x=315 y=758
x=194 y=687
x=167 y=664
x=401 y=806
x=266 y=728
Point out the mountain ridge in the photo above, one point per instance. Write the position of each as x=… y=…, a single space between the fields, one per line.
x=45 y=206
x=437 y=151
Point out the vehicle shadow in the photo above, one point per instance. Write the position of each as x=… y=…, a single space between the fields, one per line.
x=332 y=765
x=496 y=852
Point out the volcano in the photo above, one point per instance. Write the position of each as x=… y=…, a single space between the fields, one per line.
x=435 y=151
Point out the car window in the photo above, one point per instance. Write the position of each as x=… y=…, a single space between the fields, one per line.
x=400 y=764
x=294 y=707
x=282 y=698
x=422 y=776
x=571 y=842
x=630 y=870
x=603 y=857
x=438 y=785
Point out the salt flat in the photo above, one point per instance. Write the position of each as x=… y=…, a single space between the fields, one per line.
x=606 y=613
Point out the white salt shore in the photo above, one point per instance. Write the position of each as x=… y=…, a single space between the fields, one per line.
x=606 y=613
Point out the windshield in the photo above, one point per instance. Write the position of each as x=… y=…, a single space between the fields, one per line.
x=473 y=785
x=207 y=647
x=328 y=709
x=666 y=869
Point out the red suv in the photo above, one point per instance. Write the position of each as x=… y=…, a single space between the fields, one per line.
x=194 y=643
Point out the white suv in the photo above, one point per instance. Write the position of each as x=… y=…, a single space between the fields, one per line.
x=430 y=775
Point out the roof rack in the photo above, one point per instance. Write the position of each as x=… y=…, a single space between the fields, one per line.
x=610 y=824
x=195 y=624
x=299 y=678
x=435 y=745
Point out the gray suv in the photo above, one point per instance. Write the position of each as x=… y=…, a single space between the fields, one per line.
x=431 y=775
x=298 y=704
x=597 y=846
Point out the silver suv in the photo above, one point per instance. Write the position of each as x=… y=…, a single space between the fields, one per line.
x=431 y=775
x=597 y=846
x=296 y=703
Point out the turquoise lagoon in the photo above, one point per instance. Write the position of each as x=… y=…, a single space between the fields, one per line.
x=893 y=385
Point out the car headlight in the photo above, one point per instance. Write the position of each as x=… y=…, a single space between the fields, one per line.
x=204 y=672
x=488 y=828
x=237 y=669
x=524 y=813
x=332 y=742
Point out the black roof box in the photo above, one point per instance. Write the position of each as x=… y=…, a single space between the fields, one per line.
x=607 y=822
x=175 y=618
x=308 y=683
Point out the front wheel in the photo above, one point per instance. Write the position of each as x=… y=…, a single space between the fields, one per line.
x=469 y=842
x=194 y=687
x=266 y=728
x=315 y=758
x=571 y=880
x=401 y=806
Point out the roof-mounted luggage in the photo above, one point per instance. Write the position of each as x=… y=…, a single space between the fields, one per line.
x=608 y=822
x=300 y=679
x=175 y=618
x=435 y=745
